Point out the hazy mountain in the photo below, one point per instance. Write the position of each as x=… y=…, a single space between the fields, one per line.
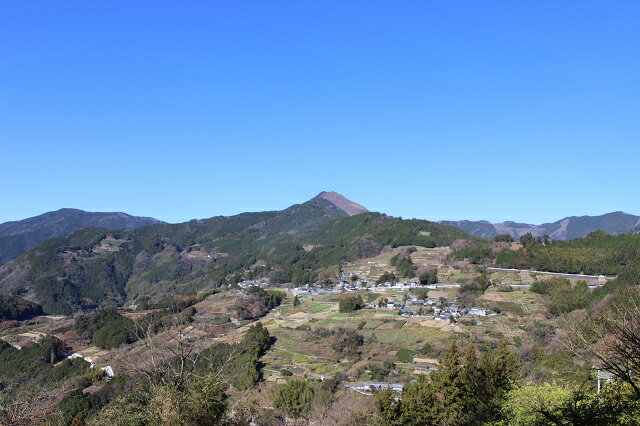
x=564 y=229
x=20 y=236
x=303 y=243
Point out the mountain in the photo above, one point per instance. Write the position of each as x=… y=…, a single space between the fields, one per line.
x=568 y=228
x=20 y=236
x=301 y=244
x=349 y=207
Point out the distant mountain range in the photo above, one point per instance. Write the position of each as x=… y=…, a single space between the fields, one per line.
x=306 y=242
x=20 y=236
x=568 y=228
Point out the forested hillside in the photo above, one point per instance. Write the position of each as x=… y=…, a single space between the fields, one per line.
x=20 y=236
x=597 y=253
x=300 y=244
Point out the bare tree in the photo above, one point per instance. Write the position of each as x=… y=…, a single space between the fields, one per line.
x=31 y=405
x=169 y=356
x=611 y=338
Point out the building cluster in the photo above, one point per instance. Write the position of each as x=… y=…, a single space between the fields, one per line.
x=311 y=289
x=430 y=308
x=370 y=387
x=253 y=283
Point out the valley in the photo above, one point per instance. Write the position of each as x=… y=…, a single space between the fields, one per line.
x=343 y=308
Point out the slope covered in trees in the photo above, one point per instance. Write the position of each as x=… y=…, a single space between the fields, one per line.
x=16 y=308
x=19 y=236
x=95 y=267
x=597 y=253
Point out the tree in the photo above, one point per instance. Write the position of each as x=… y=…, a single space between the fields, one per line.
x=347 y=342
x=386 y=277
x=503 y=238
x=351 y=303
x=465 y=391
x=429 y=277
x=51 y=349
x=354 y=278
x=611 y=338
x=257 y=339
x=527 y=239
x=294 y=398
x=296 y=301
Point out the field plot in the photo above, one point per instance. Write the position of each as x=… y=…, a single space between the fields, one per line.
x=518 y=303
x=375 y=266
x=530 y=277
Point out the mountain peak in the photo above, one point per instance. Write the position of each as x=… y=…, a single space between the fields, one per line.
x=341 y=202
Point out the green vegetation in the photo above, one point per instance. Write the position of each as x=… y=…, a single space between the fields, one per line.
x=462 y=391
x=403 y=263
x=20 y=236
x=563 y=297
x=597 y=253
x=200 y=401
x=294 y=398
x=405 y=355
x=17 y=308
x=478 y=252
x=106 y=328
x=351 y=304
x=318 y=308
x=201 y=367
x=71 y=273
x=503 y=238
x=36 y=360
x=239 y=363
x=382 y=371
x=429 y=276
x=386 y=277
x=558 y=404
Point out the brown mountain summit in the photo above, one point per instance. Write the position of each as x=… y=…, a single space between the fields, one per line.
x=342 y=203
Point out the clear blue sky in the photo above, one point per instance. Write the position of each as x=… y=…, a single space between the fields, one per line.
x=522 y=110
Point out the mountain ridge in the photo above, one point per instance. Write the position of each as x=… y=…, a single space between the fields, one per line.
x=17 y=237
x=567 y=228
x=304 y=243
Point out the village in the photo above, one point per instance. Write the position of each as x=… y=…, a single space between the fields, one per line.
x=406 y=304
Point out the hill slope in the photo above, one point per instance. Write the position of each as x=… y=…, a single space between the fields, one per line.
x=301 y=244
x=20 y=236
x=568 y=228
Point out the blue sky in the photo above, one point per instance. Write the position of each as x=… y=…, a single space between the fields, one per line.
x=498 y=110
